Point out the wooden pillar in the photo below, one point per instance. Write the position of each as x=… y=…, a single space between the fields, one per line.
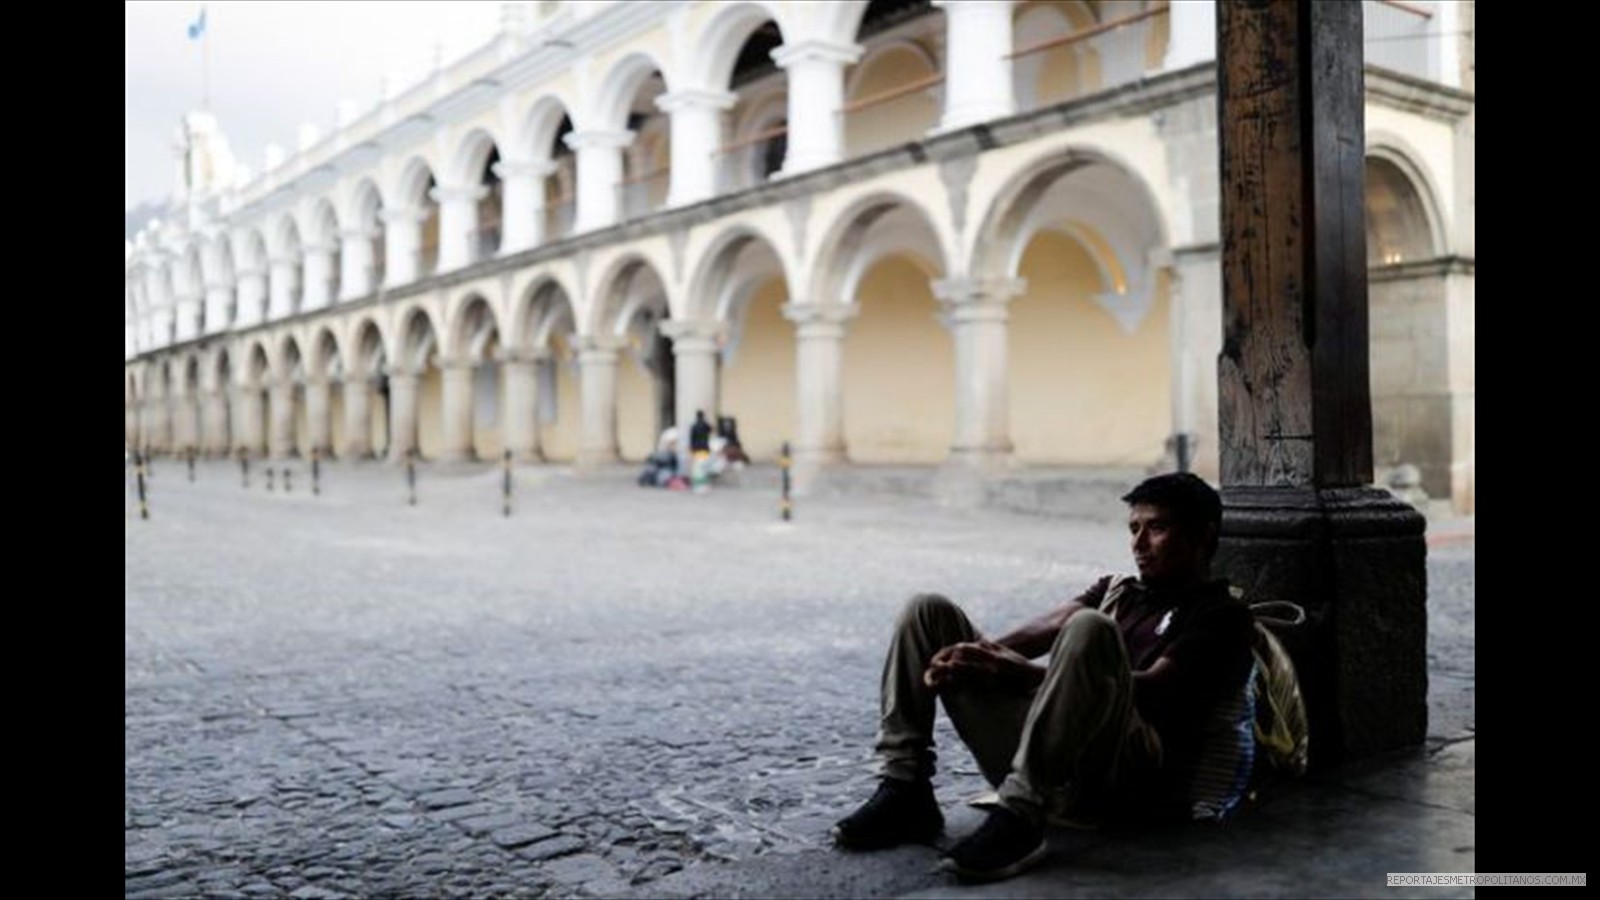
x=1301 y=520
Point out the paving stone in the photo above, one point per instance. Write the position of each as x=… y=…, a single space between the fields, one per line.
x=522 y=835
x=549 y=849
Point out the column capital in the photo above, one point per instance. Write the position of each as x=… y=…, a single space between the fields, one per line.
x=614 y=140
x=709 y=330
x=415 y=215
x=400 y=370
x=283 y=261
x=948 y=7
x=696 y=98
x=511 y=356
x=359 y=234
x=596 y=347
x=465 y=194
x=450 y=362
x=978 y=291
x=541 y=169
x=804 y=314
x=328 y=247
x=818 y=50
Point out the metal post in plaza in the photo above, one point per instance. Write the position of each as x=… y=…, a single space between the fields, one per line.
x=269 y=478
x=505 y=485
x=139 y=472
x=316 y=472
x=286 y=482
x=189 y=455
x=785 y=463
x=244 y=467
x=411 y=475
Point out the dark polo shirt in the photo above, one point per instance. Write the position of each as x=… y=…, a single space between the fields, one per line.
x=1207 y=634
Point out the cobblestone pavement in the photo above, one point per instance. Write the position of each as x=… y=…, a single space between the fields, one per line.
x=344 y=695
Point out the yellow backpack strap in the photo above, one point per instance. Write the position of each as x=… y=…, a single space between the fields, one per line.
x=1114 y=591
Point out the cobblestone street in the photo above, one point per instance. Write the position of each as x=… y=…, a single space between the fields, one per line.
x=344 y=695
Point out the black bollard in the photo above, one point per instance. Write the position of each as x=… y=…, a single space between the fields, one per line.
x=244 y=467
x=190 y=455
x=411 y=475
x=505 y=485
x=316 y=472
x=286 y=483
x=784 y=462
x=269 y=478
x=138 y=468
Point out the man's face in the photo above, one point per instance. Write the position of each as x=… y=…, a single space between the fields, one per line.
x=1165 y=551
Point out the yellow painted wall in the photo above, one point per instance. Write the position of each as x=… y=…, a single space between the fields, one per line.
x=899 y=370
x=302 y=423
x=379 y=431
x=1084 y=392
x=636 y=410
x=430 y=413
x=488 y=437
x=1157 y=37
x=336 y=429
x=908 y=117
x=1065 y=71
x=560 y=438
x=758 y=387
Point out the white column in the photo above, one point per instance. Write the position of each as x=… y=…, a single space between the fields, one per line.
x=247 y=420
x=597 y=359
x=521 y=408
x=1196 y=309
x=696 y=138
x=694 y=353
x=218 y=440
x=282 y=287
x=1192 y=33
x=457 y=412
x=252 y=298
x=402 y=234
x=816 y=95
x=280 y=399
x=458 y=224
x=357 y=418
x=219 y=296
x=356 y=265
x=599 y=175
x=189 y=409
x=975 y=311
x=819 y=336
x=977 y=83
x=161 y=433
x=522 y=196
x=318 y=425
x=402 y=412
x=319 y=277
x=130 y=424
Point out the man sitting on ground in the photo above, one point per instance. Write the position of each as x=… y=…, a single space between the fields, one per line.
x=1112 y=724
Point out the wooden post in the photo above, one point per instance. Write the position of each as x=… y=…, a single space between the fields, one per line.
x=1301 y=522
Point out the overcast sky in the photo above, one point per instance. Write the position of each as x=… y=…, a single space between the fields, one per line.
x=273 y=66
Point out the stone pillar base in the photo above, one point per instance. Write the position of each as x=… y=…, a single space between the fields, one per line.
x=1355 y=559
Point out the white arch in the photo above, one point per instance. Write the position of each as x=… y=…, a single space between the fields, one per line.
x=708 y=281
x=610 y=104
x=724 y=36
x=620 y=292
x=461 y=339
x=535 y=138
x=410 y=186
x=1395 y=150
x=844 y=255
x=472 y=153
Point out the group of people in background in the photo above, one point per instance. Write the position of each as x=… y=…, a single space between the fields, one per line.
x=713 y=452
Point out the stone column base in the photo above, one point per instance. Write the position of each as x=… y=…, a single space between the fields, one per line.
x=1355 y=559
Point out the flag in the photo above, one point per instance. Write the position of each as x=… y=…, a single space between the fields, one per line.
x=198 y=26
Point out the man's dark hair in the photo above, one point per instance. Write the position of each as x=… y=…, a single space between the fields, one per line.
x=1192 y=503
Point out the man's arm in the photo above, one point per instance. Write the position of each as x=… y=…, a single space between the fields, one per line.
x=1034 y=638
x=1007 y=659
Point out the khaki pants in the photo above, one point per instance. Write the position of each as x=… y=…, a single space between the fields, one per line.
x=1064 y=748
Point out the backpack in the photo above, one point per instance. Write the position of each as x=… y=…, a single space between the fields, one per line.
x=1282 y=732
x=1265 y=719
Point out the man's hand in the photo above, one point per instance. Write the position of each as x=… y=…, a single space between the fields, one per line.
x=976 y=663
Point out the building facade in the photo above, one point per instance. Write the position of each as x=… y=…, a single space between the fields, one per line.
x=977 y=233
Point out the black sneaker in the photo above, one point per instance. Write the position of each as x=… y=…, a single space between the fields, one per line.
x=1005 y=844
x=901 y=812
